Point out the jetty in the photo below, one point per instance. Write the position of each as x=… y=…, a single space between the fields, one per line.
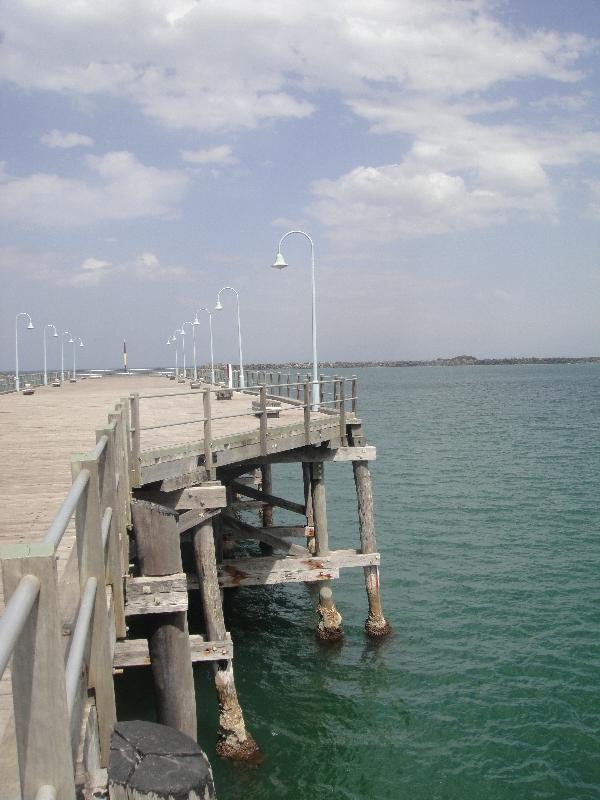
x=121 y=496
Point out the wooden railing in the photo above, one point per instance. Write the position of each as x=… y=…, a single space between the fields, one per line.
x=337 y=396
x=60 y=631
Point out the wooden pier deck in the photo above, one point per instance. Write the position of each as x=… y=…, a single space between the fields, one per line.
x=184 y=448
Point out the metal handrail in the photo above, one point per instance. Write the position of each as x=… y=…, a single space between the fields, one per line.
x=105 y=527
x=15 y=616
x=65 y=512
x=79 y=642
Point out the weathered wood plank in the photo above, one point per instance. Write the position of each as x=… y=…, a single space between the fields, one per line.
x=270 y=499
x=242 y=530
x=208 y=496
x=134 y=652
x=156 y=595
x=291 y=569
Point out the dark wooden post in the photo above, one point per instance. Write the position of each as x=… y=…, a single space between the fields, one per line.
x=158 y=548
x=266 y=472
x=330 y=622
x=376 y=624
x=234 y=740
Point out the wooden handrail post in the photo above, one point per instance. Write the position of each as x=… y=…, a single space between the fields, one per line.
x=208 y=465
x=263 y=420
x=298 y=386
x=90 y=555
x=354 y=394
x=115 y=569
x=38 y=677
x=136 y=467
x=127 y=451
x=122 y=484
x=307 y=402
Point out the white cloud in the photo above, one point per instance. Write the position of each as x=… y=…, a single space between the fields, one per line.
x=92 y=272
x=118 y=187
x=148 y=267
x=56 y=269
x=234 y=64
x=220 y=156
x=65 y=140
x=593 y=208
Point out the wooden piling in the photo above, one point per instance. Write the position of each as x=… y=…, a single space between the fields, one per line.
x=267 y=511
x=330 y=622
x=329 y=628
x=375 y=624
x=158 y=547
x=234 y=741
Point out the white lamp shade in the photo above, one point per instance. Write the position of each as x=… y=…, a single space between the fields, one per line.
x=280 y=262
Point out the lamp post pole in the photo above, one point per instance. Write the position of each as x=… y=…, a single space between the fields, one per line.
x=50 y=325
x=212 y=355
x=173 y=340
x=75 y=343
x=194 y=347
x=280 y=263
x=29 y=327
x=62 y=354
x=218 y=307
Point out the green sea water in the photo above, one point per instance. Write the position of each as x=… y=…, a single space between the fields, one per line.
x=487 y=487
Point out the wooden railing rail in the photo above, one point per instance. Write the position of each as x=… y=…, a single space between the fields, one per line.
x=338 y=398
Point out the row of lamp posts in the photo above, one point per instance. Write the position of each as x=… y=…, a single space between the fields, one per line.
x=74 y=341
x=279 y=263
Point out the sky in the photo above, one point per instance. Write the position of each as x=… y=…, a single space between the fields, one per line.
x=443 y=155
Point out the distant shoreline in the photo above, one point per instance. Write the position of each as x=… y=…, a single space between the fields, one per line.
x=455 y=361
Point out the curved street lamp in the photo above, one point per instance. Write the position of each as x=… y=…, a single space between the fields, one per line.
x=194 y=348
x=280 y=263
x=78 y=341
x=173 y=340
x=29 y=328
x=55 y=335
x=212 y=357
x=219 y=307
x=62 y=354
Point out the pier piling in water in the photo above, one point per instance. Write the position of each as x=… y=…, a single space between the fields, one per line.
x=376 y=624
x=234 y=740
x=159 y=554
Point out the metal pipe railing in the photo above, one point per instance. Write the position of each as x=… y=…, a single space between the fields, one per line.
x=15 y=616
x=79 y=642
x=65 y=512
x=105 y=527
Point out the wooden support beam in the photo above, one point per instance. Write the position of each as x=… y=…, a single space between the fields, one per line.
x=191 y=478
x=291 y=569
x=192 y=518
x=270 y=499
x=162 y=594
x=242 y=530
x=206 y=497
x=135 y=653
